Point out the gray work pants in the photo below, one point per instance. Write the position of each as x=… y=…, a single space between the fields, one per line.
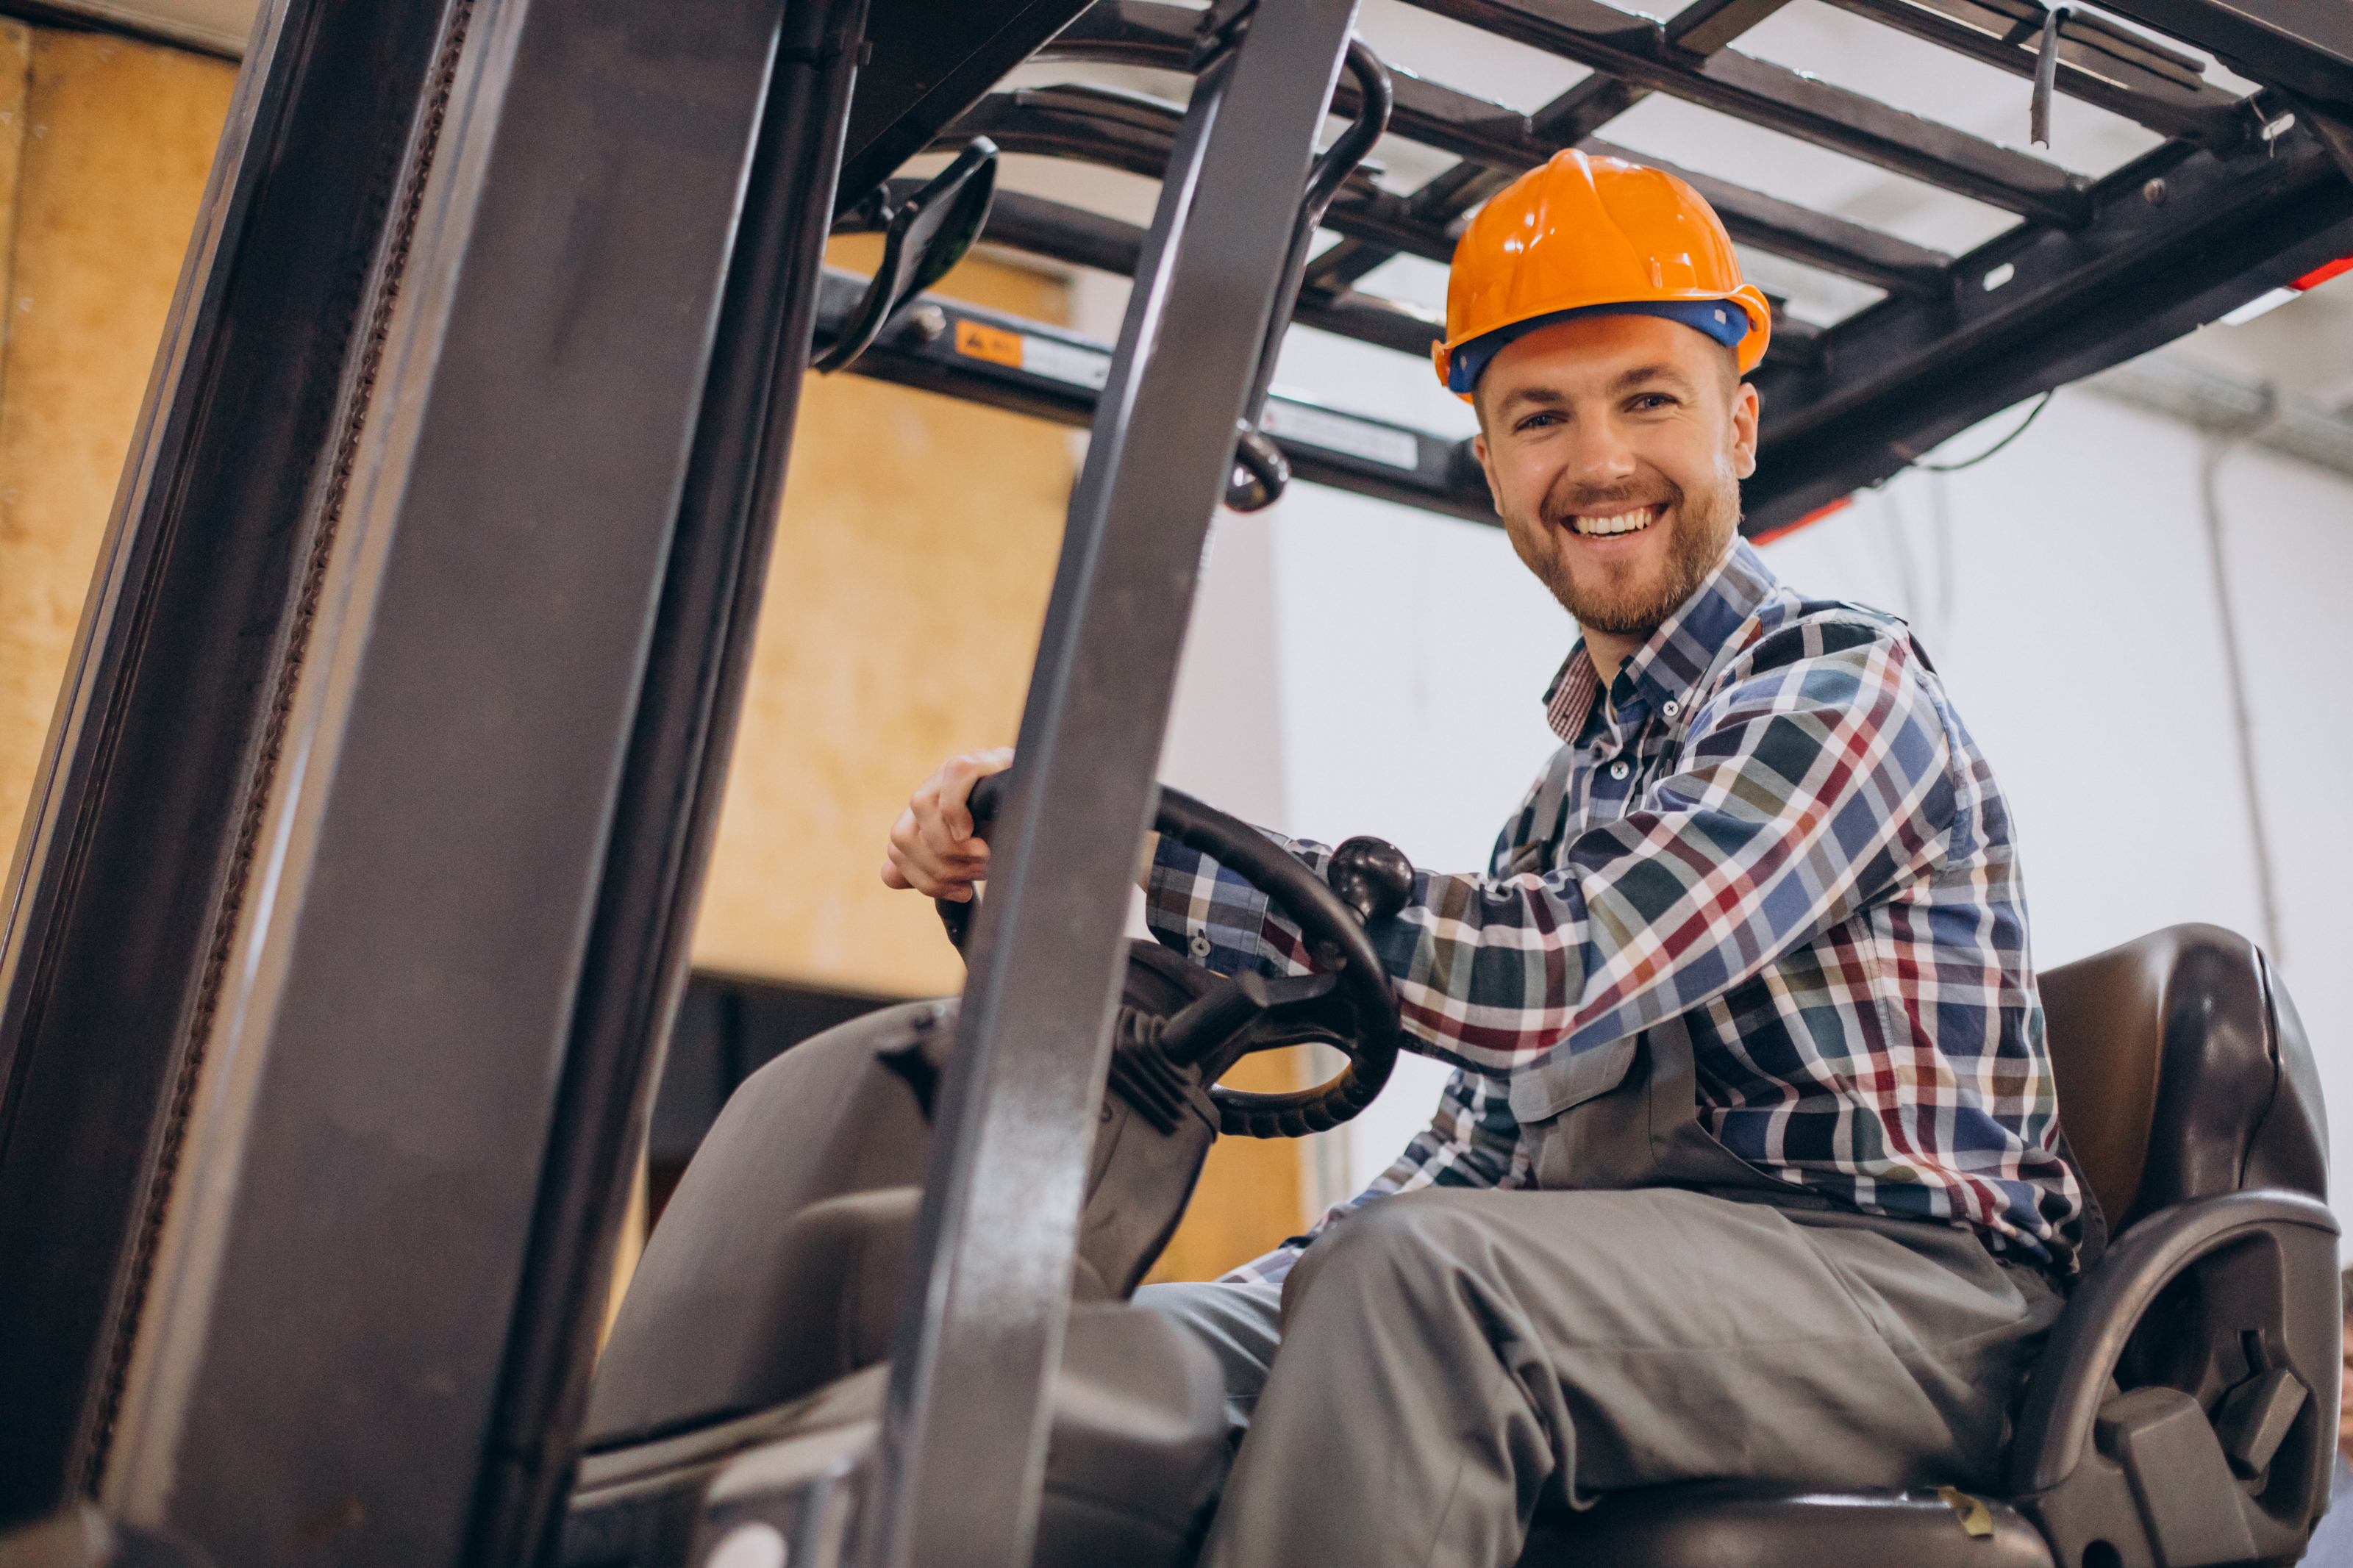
x=1451 y=1358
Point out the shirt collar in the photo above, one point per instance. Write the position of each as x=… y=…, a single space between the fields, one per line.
x=1666 y=666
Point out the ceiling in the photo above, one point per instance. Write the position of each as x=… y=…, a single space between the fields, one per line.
x=2307 y=345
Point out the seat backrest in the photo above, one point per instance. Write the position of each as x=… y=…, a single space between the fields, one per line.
x=2183 y=1072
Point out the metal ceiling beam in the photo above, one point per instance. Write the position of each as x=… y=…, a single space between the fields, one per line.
x=1506 y=142
x=1700 y=28
x=1083 y=238
x=1129 y=131
x=1785 y=229
x=2036 y=308
x=1637 y=50
x=2303 y=45
x=1858 y=402
x=2099 y=62
x=1940 y=308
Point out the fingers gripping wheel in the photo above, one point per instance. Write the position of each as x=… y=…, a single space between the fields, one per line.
x=1334 y=932
x=1369 y=880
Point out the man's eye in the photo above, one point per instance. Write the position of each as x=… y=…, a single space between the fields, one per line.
x=1537 y=421
x=1649 y=402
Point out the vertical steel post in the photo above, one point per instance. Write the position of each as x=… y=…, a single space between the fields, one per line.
x=965 y=1433
x=129 y=876
x=667 y=813
x=361 y=1338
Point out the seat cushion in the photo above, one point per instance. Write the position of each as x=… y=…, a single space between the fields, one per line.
x=1737 y=1524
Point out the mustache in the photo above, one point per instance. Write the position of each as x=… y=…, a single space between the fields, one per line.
x=1565 y=501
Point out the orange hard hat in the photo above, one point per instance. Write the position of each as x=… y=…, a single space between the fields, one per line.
x=1593 y=235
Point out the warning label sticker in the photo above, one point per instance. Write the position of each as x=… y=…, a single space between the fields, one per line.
x=977 y=339
x=1053 y=360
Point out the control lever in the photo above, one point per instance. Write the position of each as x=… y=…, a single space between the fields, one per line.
x=1372 y=876
x=986 y=794
x=1260 y=470
x=1256 y=482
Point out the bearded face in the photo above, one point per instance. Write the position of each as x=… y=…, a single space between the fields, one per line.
x=1615 y=446
x=1628 y=593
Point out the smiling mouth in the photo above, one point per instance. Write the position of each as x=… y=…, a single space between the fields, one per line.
x=1630 y=522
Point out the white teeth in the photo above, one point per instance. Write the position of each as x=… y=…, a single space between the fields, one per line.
x=1624 y=522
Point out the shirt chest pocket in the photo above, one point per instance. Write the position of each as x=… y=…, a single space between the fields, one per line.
x=1563 y=1080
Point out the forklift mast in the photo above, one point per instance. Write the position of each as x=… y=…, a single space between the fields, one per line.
x=354 y=903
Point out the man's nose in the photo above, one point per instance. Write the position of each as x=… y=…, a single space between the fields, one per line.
x=1600 y=455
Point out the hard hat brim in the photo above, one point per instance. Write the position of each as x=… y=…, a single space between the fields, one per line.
x=1460 y=363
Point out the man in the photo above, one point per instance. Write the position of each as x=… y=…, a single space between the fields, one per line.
x=1750 y=1164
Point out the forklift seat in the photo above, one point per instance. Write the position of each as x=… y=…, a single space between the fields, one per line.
x=2184 y=1410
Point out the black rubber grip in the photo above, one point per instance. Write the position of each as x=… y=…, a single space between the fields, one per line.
x=984 y=800
x=987 y=795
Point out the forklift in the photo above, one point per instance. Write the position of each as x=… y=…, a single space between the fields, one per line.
x=351 y=910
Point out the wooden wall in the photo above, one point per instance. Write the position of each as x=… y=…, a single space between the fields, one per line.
x=913 y=561
x=104 y=147
x=914 y=553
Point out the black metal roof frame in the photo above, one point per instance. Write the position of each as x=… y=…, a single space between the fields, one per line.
x=2245 y=194
x=392 y=742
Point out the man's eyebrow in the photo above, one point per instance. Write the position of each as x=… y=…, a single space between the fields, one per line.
x=1643 y=375
x=1544 y=396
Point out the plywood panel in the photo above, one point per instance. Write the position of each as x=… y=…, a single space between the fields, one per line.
x=913 y=561
x=914 y=558
x=16 y=76
x=117 y=140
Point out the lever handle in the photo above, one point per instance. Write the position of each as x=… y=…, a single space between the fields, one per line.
x=986 y=795
x=1260 y=470
x=1372 y=876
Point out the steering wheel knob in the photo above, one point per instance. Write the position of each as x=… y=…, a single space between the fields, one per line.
x=1372 y=876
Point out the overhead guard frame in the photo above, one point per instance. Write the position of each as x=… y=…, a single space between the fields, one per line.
x=260 y=646
x=2256 y=191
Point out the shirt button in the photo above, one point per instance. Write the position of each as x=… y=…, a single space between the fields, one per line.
x=1618 y=770
x=1199 y=945
x=1671 y=708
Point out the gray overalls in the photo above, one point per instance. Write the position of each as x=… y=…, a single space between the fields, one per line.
x=1660 y=1311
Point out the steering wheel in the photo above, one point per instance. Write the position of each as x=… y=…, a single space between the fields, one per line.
x=1350 y=1003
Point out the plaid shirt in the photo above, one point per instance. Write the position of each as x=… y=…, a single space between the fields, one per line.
x=1775 y=824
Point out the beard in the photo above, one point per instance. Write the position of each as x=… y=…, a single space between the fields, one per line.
x=1627 y=603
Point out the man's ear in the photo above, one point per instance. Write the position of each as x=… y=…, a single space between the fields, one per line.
x=1745 y=404
x=1487 y=466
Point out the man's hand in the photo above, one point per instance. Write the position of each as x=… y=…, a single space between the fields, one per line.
x=931 y=846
